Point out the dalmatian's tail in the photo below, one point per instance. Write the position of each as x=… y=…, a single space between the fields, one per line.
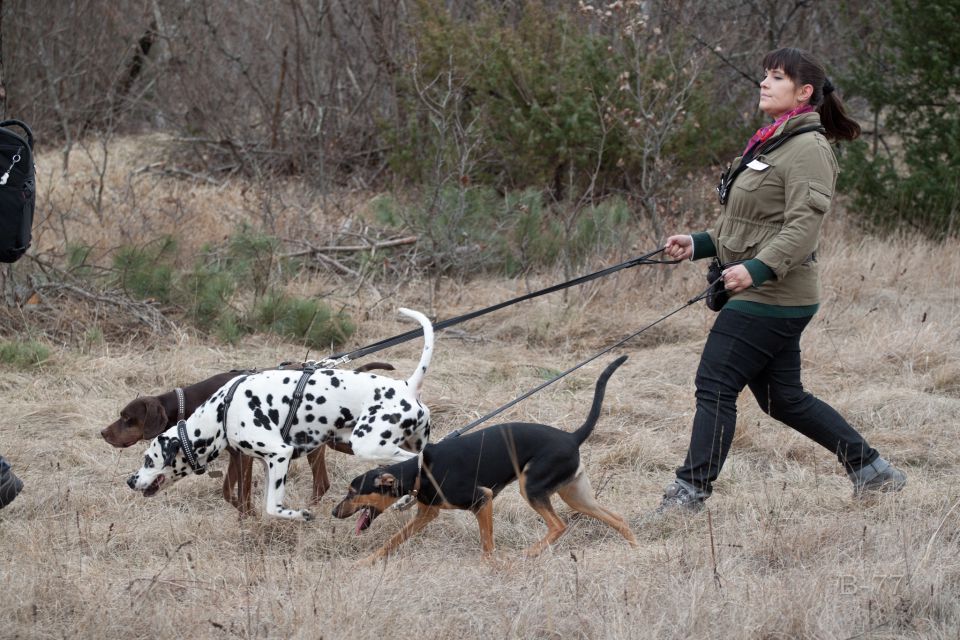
x=416 y=380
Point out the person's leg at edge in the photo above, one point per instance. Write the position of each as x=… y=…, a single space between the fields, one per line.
x=737 y=349
x=779 y=392
x=10 y=484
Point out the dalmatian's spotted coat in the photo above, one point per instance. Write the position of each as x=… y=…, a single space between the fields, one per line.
x=382 y=419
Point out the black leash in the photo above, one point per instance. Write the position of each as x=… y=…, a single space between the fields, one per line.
x=341 y=358
x=704 y=294
x=526 y=395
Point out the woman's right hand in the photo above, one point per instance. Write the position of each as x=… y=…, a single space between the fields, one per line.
x=679 y=247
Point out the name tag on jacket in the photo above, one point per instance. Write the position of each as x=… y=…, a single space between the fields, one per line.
x=756 y=165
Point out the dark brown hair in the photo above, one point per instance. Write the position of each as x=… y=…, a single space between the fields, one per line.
x=803 y=68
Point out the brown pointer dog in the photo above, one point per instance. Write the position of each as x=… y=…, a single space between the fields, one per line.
x=467 y=472
x=148 y=416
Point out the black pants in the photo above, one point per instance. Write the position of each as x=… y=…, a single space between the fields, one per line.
x=764 y=353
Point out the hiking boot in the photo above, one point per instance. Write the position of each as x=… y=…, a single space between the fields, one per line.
x=10 y=484
x=879 y=476
x=681 y=496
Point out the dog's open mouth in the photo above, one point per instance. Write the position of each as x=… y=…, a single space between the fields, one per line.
x=154 y=486
x=366 y=517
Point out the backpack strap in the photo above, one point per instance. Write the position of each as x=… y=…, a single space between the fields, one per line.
x=22 y=125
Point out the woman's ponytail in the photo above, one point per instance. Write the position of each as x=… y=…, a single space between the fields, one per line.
x=834 y=117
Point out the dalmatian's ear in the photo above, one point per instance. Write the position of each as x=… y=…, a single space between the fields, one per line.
x=385 y=481
x=170 y=449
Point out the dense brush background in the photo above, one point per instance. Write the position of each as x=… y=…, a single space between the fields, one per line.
x=232 y=185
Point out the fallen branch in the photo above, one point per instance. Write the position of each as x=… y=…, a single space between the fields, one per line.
x=176 y=172
x=348 y=248
x=144 y=312
x=337 y=265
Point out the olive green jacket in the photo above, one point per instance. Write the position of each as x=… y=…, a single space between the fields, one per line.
x=773 y=215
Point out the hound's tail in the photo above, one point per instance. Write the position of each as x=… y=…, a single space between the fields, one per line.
x=416 y=380
x=586 y=429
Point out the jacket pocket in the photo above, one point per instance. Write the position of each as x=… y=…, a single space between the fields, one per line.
x=742 y=240
x=819 y=198
x=753 y=179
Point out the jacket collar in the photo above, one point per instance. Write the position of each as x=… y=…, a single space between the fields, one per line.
x=802 y=120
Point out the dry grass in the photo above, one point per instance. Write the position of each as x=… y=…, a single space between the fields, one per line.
x=783 y=552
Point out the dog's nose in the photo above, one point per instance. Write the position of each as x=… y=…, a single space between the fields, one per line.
x=132 y=481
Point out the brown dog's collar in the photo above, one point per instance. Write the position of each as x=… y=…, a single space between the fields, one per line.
x=181 y=404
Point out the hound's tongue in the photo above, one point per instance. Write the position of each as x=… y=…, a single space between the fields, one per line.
x=363 y=520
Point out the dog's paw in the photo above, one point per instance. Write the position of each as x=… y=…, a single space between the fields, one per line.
x=499 y=562
x=290 y=514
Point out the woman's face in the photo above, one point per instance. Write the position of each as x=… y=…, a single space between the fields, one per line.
x=779 y=94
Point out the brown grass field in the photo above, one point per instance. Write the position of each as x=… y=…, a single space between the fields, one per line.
x=783 y=551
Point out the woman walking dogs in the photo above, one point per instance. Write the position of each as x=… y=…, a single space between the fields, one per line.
x=774 y=198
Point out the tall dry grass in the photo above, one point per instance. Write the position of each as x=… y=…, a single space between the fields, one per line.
x=782 y=552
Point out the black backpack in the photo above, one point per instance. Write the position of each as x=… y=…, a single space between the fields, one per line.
x=18 y=191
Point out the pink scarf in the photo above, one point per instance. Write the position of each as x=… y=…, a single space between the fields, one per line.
x=764 y=133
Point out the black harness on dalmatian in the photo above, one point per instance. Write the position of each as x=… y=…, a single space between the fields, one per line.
x=185 y=443
x=187 y=446
x=308 y=370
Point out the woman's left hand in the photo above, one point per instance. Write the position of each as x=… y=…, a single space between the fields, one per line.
x=736 y=278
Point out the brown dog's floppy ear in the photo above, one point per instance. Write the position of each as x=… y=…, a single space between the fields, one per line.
x=154 y=418
x=384 y=481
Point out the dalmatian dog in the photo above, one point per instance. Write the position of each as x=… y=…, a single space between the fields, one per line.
x=380 y=418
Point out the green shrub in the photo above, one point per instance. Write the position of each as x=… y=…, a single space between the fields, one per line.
x=310 y=322
x=712 y=131
x=534 y=233
x=909 y=76
x=77 y=257
x=524 y=95
x=543 y=235
x=205 y=294
x=92 y=336
x=476 y=230
x=146 y=272
x=228 y=328
x=251 y=257
x=23 y=354
x=603 y=225
x=538 y=96
x=387 y=210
